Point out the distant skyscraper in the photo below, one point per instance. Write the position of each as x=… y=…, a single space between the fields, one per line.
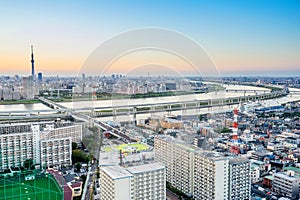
x=40 y=77
x=32 y=62
x=28 y=87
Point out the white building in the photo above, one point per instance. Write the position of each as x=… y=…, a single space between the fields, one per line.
x=203 y=174
x=286 y=184
x=56 y=152
x=46 y=143
x=239 y=179
x=211 y=176
x=116 y=183
x=254 y=173
x=178 y=159
x=146 y=181
x=28 y=89
x=149 y=181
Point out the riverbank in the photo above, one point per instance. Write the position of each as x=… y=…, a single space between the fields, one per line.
x=20 y=101
x=124 y=96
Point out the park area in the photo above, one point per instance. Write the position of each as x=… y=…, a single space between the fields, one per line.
x=40 y=188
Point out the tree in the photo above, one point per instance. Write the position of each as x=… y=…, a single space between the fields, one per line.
x=74 y=145
x=80 y=156
x=226 y=130
x=28 y=164
x=78 y=166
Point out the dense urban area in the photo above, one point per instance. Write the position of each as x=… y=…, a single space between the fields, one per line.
x=239 y=149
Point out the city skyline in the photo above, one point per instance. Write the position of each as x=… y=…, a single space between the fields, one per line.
x=242 y=38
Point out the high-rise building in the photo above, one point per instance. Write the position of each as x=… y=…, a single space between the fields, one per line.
x=146 y=181
x=178 y=159
x=28 y=92
x=40 y=77
x=45 y=143
x=115 y=183
x=149 y=181
x=211 y=176
x=203 y=174
x=239 y=178
x=171 y=86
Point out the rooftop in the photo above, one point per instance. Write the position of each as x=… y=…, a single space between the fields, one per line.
x=145 y=168
x=295 y=169
x=112 y=158
x=285 y=176
x=116 y=172
x=211 y=155
x=270 y=177
x=233 y=160
x=178 y=143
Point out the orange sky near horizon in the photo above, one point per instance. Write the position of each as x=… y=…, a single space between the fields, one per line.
x=72 y=65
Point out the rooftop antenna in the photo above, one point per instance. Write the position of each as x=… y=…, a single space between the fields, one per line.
x=121 y=158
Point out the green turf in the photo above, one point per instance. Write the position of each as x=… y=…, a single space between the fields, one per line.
x=136 y=146
x=107 y=149
x=45 y=188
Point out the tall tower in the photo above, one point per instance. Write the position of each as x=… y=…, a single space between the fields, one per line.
x=32 y=63
x=235 y=126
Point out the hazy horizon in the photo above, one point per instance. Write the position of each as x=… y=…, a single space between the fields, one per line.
x=224 y=74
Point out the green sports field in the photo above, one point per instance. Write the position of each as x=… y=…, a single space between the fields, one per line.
x=45 y=188
x=128 y=147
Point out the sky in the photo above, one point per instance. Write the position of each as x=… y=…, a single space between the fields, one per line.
x=257 y=37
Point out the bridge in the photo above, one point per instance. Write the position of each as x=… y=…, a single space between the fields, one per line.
x=248 y=91
x=140 y=108
x=297 y=92
x=88 y=114
x=124 y=136
x=172 y=106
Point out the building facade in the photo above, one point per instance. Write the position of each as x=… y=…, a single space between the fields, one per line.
x=149 y=181
x=255 y=173
x=239 y=178
x=286 y=184
x=146 y=181
x=178 y=159
x=56 y=152
x=28 y=90
x=203 y=174
x=46 y=143
x=211 y=176
x=116 y=183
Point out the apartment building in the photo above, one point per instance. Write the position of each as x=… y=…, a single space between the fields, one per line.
x=239 y=178
x=14 y=149
x=47 y=143
x=64 y=131
x=116 y=183
x=56 y=152
x=210 y=176
x=286 y=184
x=178 y=159
x=149 y=181
x=254 y=173
x=203 y=174
x=145 y=181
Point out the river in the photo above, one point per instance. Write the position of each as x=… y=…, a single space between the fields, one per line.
x=155 y=100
